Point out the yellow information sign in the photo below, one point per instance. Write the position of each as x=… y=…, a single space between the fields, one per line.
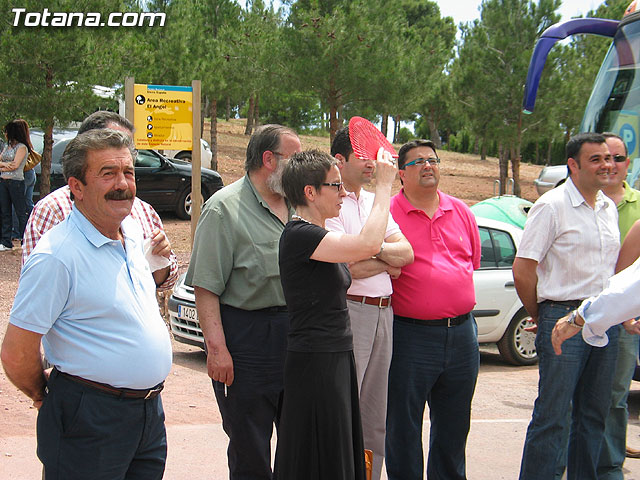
x=162 y=116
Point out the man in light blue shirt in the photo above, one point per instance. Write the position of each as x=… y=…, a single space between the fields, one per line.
x=87 y=292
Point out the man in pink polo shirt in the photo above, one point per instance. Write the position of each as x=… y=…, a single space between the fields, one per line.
x=435 y=345
x=369 y=297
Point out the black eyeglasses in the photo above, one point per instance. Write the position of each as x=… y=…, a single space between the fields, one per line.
x=339 y=186
x=619 y=158
x=432 y=161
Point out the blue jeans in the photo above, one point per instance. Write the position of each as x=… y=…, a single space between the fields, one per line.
x=29 y=183
x=85 y=433
x=12 y=195
x=612 y=453
x=577 y=382
x=439 y=366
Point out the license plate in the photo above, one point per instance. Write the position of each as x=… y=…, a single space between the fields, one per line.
x=187 y=313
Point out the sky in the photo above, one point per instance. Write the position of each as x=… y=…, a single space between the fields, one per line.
x=467 y=10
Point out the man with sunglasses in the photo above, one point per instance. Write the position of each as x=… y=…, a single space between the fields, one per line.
x=627 y=200
x=435 y=344
x=369 y=297
x=568 y=252
x=241 y=306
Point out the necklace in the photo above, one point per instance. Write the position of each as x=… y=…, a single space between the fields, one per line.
x=298 y=217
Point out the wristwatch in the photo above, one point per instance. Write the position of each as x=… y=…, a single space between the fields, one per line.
x=572 y=319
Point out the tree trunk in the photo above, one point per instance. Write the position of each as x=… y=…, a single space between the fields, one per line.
x=516 y=157
x=483 y=150
x=434 y=135
x=333 y=121
x=396 y=128
x=214 y=134
x=334 y=101
x=549 y=150
x=504 y=167
x=256 y=111
x=384 y=126
x=476 y=145
x=249 y=128
x=45 y=163
x=227 y=112
x=204 y=108
x=515 y=172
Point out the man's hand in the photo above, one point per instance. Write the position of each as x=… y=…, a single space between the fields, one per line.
x=220 y=365
x=632 y=326
x=533 y=328
x=160 y=244
x=563 y=331
x=394 y=272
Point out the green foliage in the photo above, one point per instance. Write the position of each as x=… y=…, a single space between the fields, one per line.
x=405 y=135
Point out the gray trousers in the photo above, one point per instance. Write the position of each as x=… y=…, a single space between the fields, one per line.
x=372 y=345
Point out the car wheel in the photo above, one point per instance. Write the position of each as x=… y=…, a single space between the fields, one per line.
x=185 y=156
x=517 y=346
x=183 y=207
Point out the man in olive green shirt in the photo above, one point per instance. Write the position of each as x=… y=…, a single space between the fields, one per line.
x=627 y=199
x=241 y=308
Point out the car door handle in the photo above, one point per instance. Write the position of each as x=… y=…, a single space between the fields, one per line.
x=509 y=284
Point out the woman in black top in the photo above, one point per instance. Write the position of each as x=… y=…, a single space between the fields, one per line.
x=320 y=434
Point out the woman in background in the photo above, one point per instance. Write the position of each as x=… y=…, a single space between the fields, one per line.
x=320 y=433
x=12 y=189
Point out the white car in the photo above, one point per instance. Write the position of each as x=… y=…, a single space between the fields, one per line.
x=500 y=316
x=499 y=313
x=206 y=156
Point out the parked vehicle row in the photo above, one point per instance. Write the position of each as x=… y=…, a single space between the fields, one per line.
x=164 y=183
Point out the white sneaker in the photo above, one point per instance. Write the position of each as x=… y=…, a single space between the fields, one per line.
x=4 y=249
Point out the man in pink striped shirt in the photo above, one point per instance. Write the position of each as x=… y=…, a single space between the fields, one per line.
x=56 y=206
x=435 y=344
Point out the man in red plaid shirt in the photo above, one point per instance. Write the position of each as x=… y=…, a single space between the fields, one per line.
x=56 y=206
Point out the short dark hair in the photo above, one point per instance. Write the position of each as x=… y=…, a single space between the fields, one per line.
x=265 y=138
x=574 y=145
x=102 y=119
x=608 y=135
x=407 y=147
x=305 y=168
x=342 y=143
x=74 y=158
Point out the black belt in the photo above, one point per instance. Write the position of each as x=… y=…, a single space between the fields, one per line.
x=278 y=309
x=566 y=303
x=146 y=394
x=440 y=322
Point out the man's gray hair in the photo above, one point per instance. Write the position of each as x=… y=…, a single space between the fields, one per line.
x=265 y=138
x=102 y=119
x=74 y=158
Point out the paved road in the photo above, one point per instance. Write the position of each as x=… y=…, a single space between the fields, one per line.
x=501 y=411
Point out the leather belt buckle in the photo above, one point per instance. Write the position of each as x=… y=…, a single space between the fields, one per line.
x=448 y=322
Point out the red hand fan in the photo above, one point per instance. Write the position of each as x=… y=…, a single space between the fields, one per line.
x=366 y=139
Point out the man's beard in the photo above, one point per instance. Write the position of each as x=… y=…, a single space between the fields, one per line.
x=274 y=181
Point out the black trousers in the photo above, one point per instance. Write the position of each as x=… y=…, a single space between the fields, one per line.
x=257 y=342
x=84 y=433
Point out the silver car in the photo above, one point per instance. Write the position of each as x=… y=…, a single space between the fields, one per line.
x=550 y=177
